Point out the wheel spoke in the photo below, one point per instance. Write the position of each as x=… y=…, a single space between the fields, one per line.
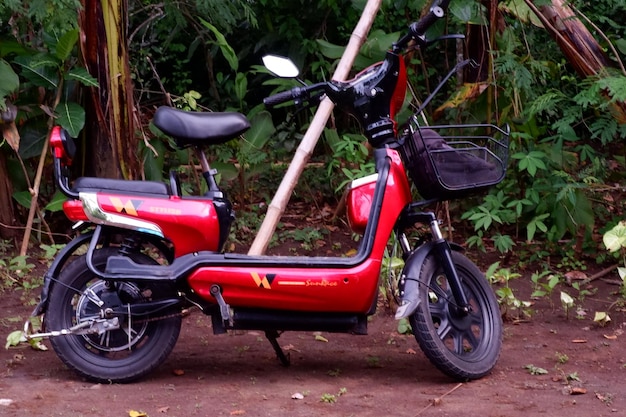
x=458 y=343
x=83 y=318
x=471 y=339
x=445 y=328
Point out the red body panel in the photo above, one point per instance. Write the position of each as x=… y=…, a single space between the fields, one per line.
x=190 y=224
x=313 y=288
x=359 y=205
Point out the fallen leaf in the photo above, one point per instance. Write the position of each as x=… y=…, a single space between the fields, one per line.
x=178 y=372
x=133 y=413
x=14 y=338
x=290 y=348
x=575 y=276
x=163 y=409
x=6 y=402
x=610 y=336
x=297 y=396
x=37 y=344
x=602 y=318
x=320 y=338
x=237 y=412
x=411 y=351
x=567 y=300
x=578 y=391
x=579 y=341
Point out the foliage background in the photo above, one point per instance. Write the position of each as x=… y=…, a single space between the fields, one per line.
x=567 y=156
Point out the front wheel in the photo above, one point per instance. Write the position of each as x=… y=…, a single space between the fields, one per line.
x=124 y=354
x=462 y=345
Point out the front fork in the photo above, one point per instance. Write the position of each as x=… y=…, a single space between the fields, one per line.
x=444 y=254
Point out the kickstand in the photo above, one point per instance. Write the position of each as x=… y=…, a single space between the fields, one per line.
x=272 y=335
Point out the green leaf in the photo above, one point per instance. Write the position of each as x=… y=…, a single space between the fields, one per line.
x=82 y=76
x=621 y=45
x=23 y=198
x=9 y=81
x=260 y=132
x=404 y=327
x=468 y=12
x=536 y=223
x=615 y=239
x=330 y=50
x=71 y=117
x=66 y=44
x=40 y=69
x=56 y=204
x=241 y=86
x=519 y=9
x=531 y=161
x=503 y=243
x=375 y=47
x=535 y=370
x=226 y=49
x=153 y=164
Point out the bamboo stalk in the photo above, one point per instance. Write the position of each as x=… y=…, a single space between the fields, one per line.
x=306 y=147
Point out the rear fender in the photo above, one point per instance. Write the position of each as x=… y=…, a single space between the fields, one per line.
x=409 y=282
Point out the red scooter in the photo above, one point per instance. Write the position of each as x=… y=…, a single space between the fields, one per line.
x=114 y=313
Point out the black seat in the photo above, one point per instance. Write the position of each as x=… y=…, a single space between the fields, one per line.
x=94 y=184
x=191 y=128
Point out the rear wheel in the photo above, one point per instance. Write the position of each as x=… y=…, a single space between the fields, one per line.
x=124 y=354
x=461 y=345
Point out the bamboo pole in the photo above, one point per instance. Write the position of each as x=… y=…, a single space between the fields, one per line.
x=306 y=147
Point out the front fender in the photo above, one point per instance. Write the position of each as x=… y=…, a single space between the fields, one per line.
x=409 y=281
x=53 y=272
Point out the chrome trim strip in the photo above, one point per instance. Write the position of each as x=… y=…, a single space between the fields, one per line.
x=363 y=180
x=98 y=216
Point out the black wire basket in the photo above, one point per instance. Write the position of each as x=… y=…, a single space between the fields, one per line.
x=448 y=162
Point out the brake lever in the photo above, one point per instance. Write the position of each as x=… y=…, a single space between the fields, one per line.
x=429 y=42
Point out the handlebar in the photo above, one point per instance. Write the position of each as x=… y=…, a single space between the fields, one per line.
x=418 y=29
x=415 y=33
x=296 y=94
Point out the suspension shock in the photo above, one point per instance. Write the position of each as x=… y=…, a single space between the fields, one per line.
x=129 y=245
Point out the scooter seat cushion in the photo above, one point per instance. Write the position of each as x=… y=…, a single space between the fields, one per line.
x=192 y=128
x=95 y=184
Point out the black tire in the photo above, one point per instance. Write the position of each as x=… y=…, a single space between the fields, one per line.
x=114 y=356
x=462 y=346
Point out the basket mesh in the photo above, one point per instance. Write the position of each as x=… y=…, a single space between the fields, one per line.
x=452 y=161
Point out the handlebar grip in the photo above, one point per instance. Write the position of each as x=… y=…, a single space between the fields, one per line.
x=283 y=97
x=437 y=10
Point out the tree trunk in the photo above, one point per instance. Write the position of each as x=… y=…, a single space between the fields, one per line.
x=7 y=214
x=111 y=142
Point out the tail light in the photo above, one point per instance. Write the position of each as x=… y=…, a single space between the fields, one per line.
x=74 y=211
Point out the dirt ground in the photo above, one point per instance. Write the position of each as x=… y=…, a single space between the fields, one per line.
x=383 y=373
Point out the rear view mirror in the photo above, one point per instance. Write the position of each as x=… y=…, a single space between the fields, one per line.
x=281 y=66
